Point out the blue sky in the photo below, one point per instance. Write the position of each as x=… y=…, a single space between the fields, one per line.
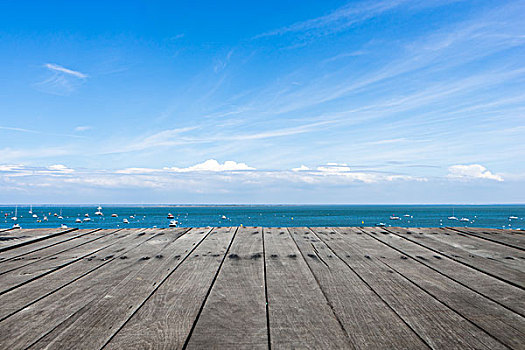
x=400 y=101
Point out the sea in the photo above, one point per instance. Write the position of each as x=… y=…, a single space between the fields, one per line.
x=488 y=216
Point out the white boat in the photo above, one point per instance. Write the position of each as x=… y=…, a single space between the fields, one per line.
x=45 y=218
x=224 y=217
x=132 y=217
x=393 y=217
x=381 y=224
x=170 y=216
x=16 y=226
x=452 y=217
x=99 y=208
x=78 y=220
x=407 y=215
x=114 y=215
x=173 y=223
x=31 y=209
x=464 y=220
x=86 y=215
x=35 y=216
x=63 y=226
x=125 y=221
x=55 y=214
x=14 y=218
x=87 y=219
x=60 y=217
x=513 y=218
x=99 y=213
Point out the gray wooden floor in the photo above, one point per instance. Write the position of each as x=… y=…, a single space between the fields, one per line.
x=246 y=287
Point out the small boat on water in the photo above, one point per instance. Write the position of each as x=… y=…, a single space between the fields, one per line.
x=14 y=218
x=464 y=220
x=31 y=209
x=87 y=219
x=99 y=208
x=170 y=216
x=63 y=226
x=86 y=215
x=452 y=217
x=45 y=218
x=55 y=214
x=16 y=226
x=125 y=221
x=78 y=221
x=99 y=213
x=381 y=224
x=224 y=217
x=173 y=223
x=393 y=217
x=513 y=218
x=35 y=216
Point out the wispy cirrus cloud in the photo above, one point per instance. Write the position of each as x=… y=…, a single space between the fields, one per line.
x=61 y=80
x=60 y=69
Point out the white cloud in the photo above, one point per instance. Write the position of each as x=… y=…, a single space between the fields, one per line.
x=60 y=168
x=83 y=128
x=301 y=168
x=472 y=171
x=213 y=165
x=57 y=68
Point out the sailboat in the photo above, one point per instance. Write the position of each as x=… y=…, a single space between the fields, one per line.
x=14 y=218
x=60 y=216
x=452 y=217
x=31 y=209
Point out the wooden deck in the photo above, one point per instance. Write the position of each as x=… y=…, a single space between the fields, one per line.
x=246 y=287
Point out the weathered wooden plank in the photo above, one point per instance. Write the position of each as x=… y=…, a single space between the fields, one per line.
x=491 y=267
x=511 y=238
x=438 y=325
x=63 y=307
x=366 y=318
x=234 y=315
x=166 y=319
x=500 y=292
x=299 y=314
x=29 y=237
x=26 y=295
x=51 y=251
x=511 y=257
x=24 y=250
x=110 y=312
x=18 y=277
x=502 y=324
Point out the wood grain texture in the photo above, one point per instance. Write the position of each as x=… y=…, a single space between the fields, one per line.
x=509 y=296
x=20 y=253
x=502 y=324
x=26 y=273
x=366 y=318
x=234 y=315
x=167 y=318
x=512 y=238
x=53 y=250
x=30 y=324
x=109 y=312
x=493 y=268
x=440 y=326
x=20 y=238
x=28 y=294
x=299 y=314
x=507 y=255
x=177 y=288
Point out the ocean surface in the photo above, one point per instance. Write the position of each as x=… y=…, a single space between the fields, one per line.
x=493 y=216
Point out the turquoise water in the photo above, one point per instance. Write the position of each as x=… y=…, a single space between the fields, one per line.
x=495 y=216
